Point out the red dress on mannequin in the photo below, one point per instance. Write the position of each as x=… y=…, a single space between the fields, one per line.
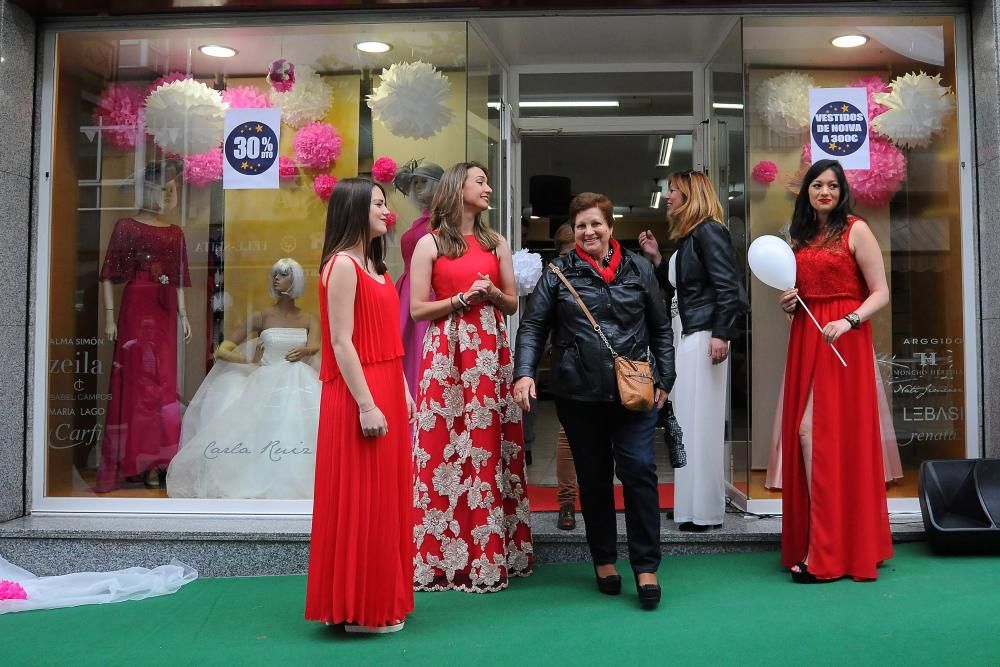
x=361 y=554
x=843 y=523
x=473 y=524
x=143 y=425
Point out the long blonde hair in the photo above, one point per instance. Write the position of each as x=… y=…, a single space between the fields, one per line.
x=446 y=214
x=700 y=203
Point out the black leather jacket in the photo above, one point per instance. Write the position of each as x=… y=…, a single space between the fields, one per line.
x=631 y=314
x=710 y=294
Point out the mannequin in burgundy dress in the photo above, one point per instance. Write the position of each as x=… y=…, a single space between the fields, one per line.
x=418 y=182
x=149 y=255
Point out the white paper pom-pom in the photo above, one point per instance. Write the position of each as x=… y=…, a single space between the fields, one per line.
x=309 y=100
x=185 y=117
x=410 y=100
x=918 y=106
x=783 y=102
x=527 y=270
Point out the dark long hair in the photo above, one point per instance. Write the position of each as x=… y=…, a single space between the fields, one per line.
x=347 y=221
x=805 y=224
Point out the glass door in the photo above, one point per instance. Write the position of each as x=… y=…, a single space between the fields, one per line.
x=725 y=161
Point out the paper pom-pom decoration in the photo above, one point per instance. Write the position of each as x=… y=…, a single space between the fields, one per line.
x=287 y=169
x=281 y=75
x=877 y=185
x=11 y=590
x=203 y=168
x=783 y=102
x=527 y=270
x=918 y=106
x=185 y=117
x=309 y=100
x=323 y=186
x=410 y=100
x=165 y=79
x=384 y=169
x=317 y=145
x=390 y=220
x=764 y=172
x=875 y=85
x=119 y=115
x=245 y=97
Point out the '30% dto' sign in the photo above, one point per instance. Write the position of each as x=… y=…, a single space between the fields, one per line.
x=250 y=149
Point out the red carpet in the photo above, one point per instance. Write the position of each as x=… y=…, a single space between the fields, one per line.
x=543 y=498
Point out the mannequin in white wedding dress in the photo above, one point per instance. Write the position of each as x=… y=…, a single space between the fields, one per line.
x=250 y=430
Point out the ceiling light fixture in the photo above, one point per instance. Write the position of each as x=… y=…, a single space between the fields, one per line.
x=373 y=47
x=654 y=200
x=666 y=148
x=569 y=103
x=726 y=105
x=217 y=50
x=849 y=41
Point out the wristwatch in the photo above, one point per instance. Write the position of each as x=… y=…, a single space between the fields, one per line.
x=853 y=319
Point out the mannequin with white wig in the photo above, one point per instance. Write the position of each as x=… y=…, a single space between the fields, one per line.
x=250 y=430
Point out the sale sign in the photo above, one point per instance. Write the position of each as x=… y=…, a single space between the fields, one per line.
x=838 y=126
x=250 y=150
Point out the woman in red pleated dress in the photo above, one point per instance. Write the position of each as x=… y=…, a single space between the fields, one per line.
x=361 y=556
x=835 y=522
x=472 y=524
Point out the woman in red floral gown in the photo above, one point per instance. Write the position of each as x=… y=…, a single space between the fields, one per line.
x=361 y=556
x=835 y=522
x=472 y=525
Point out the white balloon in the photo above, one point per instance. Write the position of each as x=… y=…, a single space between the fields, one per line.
x=772 y=261
x=672 y=270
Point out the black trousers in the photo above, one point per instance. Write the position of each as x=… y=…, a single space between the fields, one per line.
x=606 y=438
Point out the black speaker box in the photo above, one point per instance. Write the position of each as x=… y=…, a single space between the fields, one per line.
x=960 y=504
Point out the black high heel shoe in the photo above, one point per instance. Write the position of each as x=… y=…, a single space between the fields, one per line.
x=609 y=585
x=803 y=576
x=159 y=481
x=649 y=594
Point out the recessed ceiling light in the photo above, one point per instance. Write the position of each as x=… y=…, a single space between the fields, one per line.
x=217 y=50
x=849 y=41
x=373 y=47
x=568 y=103
x=726 y=105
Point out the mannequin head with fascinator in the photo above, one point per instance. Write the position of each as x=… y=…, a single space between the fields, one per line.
x=287 y=279
x=418 y=181
x=160 y=186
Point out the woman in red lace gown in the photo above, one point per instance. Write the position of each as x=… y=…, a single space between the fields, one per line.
x=835 y=522
x=472 y=525
x=361 y=556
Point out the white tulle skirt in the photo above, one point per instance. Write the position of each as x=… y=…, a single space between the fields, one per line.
x=250 y=432
x=699 y=400
x=73 y=590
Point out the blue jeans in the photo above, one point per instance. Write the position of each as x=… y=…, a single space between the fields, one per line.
x=605 y=438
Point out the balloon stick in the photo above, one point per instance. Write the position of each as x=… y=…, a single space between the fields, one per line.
x=820 y=329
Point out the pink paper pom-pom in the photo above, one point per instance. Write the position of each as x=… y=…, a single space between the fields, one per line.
x=877 y=185
x=874 y=85
x=323 y=186
x=11 y=590
x=764 y=172
x=281 y=75
x=245 y=97
x=384 y=169
x=287 y=169
x=317 y=145
x=120 y=107
x=166 y=78
x=203 y=168
x=390 y=220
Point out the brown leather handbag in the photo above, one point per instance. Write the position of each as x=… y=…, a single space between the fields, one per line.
x=635 y=378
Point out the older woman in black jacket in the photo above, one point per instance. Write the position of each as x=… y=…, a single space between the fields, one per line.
x=621 y=292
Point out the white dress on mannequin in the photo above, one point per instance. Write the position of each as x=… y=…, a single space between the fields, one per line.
x=699 y=400
x=250 y=431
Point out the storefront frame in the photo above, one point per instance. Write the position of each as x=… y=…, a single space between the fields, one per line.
x=39 y=503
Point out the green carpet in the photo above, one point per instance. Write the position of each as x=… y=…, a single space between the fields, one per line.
x=725 y=608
